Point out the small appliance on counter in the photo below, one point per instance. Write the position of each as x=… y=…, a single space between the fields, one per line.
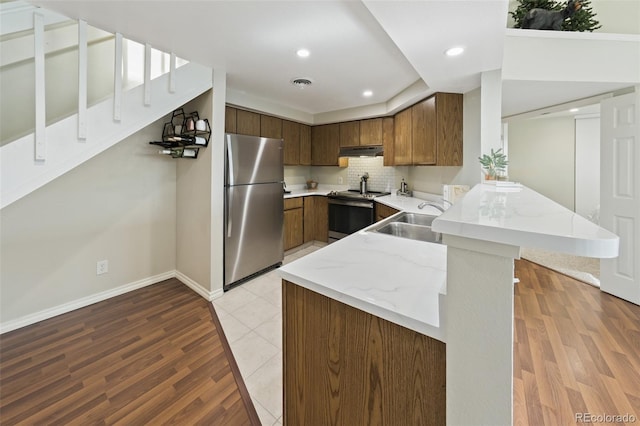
x=404 y=189
x=363 y=183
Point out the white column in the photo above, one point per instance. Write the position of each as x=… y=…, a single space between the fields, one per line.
x=479 y=327
x=217 y=178
x=490 y=111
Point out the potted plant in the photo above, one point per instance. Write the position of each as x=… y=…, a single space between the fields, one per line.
x=494 y=165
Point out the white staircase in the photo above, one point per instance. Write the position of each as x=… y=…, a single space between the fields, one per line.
x=33 y=160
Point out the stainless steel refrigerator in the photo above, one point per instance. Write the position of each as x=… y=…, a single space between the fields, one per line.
x=253 y=206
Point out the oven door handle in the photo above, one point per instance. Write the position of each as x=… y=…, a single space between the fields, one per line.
x=351 y=203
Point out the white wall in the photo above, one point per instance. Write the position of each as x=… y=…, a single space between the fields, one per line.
x=193 y=206
x=587 y=192
x=119 y=206
x=542 y=157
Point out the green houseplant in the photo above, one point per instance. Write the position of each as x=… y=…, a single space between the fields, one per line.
x=582 y=20
x=494 y=165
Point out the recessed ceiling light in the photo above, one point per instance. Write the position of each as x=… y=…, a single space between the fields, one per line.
x=454 y=51
x=367 y=93
x=303 y=53
x=574 y=110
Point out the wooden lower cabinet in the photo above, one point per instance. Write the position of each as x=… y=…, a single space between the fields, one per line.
x=383 y=211
x=316 y=219
x=343 y=366
x=293 y=223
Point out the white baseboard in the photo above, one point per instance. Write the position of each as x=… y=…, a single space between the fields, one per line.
x=193 y=285
x=85 y=301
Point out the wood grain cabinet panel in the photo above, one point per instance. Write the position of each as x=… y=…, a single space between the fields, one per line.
x=343 y=366
x=230 y=120
x=383 y=211
x=270 y=127
x=291 y=136
x=305 y=145
x=293 y=222
x=388 y=141
x=350 y=133
x=449 y=130
x=325 y=145
x=316 y=218
x=423 y=132
x=247 y=123
x=371 y=131
x=402 y=138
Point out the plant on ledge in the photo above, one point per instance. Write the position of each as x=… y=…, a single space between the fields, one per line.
x=581 y=20
x=494 y=165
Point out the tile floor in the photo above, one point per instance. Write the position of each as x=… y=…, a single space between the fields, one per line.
x=251 y=316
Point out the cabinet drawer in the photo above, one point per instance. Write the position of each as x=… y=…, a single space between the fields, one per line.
x=292 y=203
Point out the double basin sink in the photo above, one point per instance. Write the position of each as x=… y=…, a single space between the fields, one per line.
x=413 y=226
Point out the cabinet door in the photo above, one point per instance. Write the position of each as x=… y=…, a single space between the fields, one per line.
x=387 y=141
x=270 y=127
x=321 y=223
x=305 y=145
x=350 y=133
x=309 y=224
x=371 y=132
x=247 y=123
x=292 y=228
x=423 y=132
x=449 y=129
x=402 y=138
x=383 y=211
x=230 y=120
x=325 y=145
x=291 y=136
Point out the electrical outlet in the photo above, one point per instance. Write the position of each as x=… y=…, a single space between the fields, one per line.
x=339 y=180
x=102 y=267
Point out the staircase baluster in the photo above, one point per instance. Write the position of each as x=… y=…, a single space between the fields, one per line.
x=40 y=106
x=82 y=80
x=117 y=80
x=147 y=74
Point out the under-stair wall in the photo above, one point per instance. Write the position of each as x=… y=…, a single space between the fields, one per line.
x=109 y=196
x=52 y=150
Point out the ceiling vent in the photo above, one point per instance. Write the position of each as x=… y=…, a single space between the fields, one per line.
x=301 y=83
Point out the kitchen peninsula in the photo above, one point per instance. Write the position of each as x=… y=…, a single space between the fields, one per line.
x=460 y=294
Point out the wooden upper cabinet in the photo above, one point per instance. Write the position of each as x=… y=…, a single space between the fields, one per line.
x=449 y=129
x=247 y=123
x=402 y=138
x=371 y=132
x=291 y=136
x=325 y=145
x=350 y=133
x=423 y=132
x=305 y=145
x=387 y=140
x=230 y=120
x=270 y=127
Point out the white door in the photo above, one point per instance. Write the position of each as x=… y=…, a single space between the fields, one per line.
x=620 y=193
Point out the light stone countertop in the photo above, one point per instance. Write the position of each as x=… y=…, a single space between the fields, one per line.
x=519 y=216
x=410 y=204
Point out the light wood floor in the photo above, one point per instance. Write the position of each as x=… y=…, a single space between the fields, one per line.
x=151 y=356
x=155 y=356
x=577 y=350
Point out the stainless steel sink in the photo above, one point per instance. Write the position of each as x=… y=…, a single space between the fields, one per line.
x=409 y=225
x=416 y=219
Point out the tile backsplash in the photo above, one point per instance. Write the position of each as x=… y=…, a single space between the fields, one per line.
x=381 y=178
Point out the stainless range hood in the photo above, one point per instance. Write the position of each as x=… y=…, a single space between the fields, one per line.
x=361 y=151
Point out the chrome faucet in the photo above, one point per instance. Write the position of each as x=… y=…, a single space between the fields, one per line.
x=422 y=205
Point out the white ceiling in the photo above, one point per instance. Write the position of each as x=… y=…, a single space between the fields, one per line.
x=384 y=46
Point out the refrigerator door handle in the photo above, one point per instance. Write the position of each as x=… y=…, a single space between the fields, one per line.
x=228 y=212
x=230 y=174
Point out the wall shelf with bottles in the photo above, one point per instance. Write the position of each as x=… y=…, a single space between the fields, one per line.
x=184 y=135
